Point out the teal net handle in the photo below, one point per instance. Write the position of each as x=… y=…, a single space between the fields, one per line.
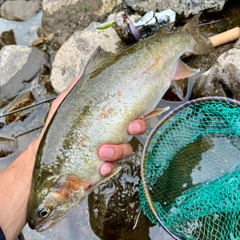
x=143 y=160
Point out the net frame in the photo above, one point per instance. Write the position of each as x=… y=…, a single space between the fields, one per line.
x=143 y=177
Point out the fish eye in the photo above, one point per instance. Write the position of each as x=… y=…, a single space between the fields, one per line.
x=43 y=212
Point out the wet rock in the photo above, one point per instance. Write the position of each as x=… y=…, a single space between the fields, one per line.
x=8 y=145
x=20 y=10
x=24 y=131
x=18 y=65
x=115 y=203
x=187 y=7
x=114 y=210
x=24 y=31
x=23 y=100
x=223 y=79
x=75 y=53
x=38 y=42
x=7 y=38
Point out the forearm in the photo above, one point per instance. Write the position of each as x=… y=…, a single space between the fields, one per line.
x=15 y=191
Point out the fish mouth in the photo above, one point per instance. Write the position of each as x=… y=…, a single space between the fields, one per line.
x=43 y=226
x=32 y=224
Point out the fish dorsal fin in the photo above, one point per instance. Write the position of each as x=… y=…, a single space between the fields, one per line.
x=183 y=71
x=97 y=60
x=110 y=175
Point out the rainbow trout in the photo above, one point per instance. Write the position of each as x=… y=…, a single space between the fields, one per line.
x=113 y=90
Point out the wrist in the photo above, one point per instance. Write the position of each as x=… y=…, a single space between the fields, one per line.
x=15 y=191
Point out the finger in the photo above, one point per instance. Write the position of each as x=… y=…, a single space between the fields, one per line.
x=107 y=167
x=111 y=152
x=137 y=126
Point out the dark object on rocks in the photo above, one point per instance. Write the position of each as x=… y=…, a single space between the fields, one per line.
x=7 y=38
x=8 y=145
x=24 y=100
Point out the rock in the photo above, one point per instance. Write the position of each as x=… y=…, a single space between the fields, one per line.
x=65 y=16
x=8 y=145
x=223 y=78
x=52 y=6
x=24 y=32
x=23 y=100
x=187 y=7
x=25 y=131
x=101 y=7
x=70 y=15
x=116 y=203
x=18 y=65
x=7 y=38
x=38 y=42
x=20 y=10
x=107 y=6
x=73 y=55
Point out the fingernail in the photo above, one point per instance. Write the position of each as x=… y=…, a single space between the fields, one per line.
x=134 y=127
x=106 y=170
x=106 y=152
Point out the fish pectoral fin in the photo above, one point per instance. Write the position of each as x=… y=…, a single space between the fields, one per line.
x=155 y=112
x=99 y=58
x=110 y=175
x=183 y=71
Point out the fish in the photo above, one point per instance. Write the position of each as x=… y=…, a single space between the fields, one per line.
x=113 y=90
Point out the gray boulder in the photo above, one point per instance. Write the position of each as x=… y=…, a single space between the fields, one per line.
x=223 y=78
x=101 y=7
x=20 y=10
x=73 y=55
x=52 y=6
x=187 y=7
x=18 y=65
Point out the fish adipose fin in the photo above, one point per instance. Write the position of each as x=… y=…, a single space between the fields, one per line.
x=99 y=58
x=203 y=44
x=110 y=175
x=183 y=71
x=156 y=112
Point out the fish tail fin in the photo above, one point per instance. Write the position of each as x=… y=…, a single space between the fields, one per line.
x=203 y=44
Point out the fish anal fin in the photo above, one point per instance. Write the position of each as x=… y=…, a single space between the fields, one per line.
x=183 y=71
x=99 y=58
x=156 y=112
x=104 y=179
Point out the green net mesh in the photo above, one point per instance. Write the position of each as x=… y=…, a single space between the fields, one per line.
x=190 y=171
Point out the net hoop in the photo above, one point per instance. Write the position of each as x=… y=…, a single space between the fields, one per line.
x=153 y=131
